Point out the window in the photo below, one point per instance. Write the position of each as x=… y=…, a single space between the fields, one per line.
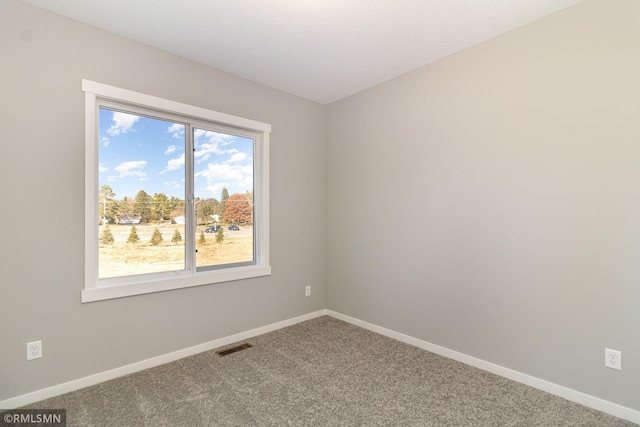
x=176 y=195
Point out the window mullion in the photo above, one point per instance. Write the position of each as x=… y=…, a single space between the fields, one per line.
x=190 y=212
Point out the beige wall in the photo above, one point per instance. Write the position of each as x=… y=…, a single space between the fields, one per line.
x=487 y=203
x=490 y=202
x=44 y=58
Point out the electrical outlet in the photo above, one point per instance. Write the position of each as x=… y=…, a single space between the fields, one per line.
x=34 y=350
x=613 y=359
x=307 y=291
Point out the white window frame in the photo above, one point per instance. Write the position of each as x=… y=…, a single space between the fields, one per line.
x=96 y=290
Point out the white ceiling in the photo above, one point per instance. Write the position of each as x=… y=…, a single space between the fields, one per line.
x=322 y=50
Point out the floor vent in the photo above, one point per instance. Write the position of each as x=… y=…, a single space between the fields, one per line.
x=234 y=349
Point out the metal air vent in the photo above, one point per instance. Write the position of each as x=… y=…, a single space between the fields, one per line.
x=234 y=349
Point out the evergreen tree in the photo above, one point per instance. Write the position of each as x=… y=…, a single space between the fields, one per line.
x=219 y=235
x=177 y=237
x=143 y=205
x=223 y=200
x=126 y=206
x=133 y=235
x=201 y=240
x=204 y=213
x=156 y=237
x=107 y=206
x=161 y=207
x=176 y=207
x=106 y=237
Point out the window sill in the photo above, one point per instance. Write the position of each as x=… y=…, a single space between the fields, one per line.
x=119 y=291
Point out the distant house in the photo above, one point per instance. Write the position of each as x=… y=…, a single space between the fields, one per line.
x=180 y=220
x=128 y=218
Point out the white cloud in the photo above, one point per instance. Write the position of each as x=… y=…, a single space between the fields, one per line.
x=216 y=189
x=219 y=175
x=105 y=141
x=207 y=148
x=102 y=168
x=177 y=130
x=174 y=164
x=122 y=123
x=171 y=149
x=173 y=184
x=207 y=141
x=133 y=168
x=220 y=172
x=238 y=157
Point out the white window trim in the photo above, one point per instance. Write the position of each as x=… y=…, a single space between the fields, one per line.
x=93 y=292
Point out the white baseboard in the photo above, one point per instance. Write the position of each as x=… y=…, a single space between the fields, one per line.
x=36 y=396
x=549 y=387
x=555 y=389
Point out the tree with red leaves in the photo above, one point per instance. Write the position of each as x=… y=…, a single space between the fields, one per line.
x=238 y=210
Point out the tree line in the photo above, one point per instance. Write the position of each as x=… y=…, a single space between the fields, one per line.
x=235 y=208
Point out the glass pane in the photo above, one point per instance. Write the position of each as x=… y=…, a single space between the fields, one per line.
x=223 y=192
x=141 y=194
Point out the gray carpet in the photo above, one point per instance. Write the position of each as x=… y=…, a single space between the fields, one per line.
x=323 y=372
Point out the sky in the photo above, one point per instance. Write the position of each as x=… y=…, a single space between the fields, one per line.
x=141 y=153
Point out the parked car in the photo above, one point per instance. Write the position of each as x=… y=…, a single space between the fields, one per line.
x=212 y=229
x=234 y=227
